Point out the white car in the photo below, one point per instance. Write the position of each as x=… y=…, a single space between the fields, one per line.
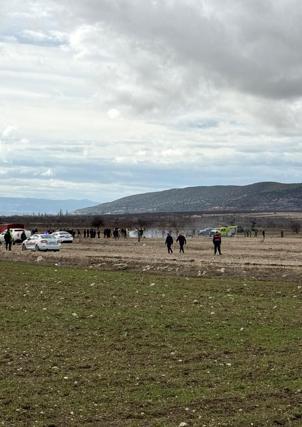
x=204 y=232
x=62 y=236
x=16 y=234
x=41 y=242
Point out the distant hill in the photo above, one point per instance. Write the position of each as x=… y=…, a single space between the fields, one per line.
x=262 y=196
x=28 y=206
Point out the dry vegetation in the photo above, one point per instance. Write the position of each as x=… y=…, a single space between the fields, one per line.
x=186 y=220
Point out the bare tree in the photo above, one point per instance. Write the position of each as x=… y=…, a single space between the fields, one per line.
x=97 y=222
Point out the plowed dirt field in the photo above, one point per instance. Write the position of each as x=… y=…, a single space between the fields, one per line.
x=272 y=258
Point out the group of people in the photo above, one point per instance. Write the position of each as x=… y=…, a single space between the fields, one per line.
x=248 y=233
x=182 y=241
x=92 y=233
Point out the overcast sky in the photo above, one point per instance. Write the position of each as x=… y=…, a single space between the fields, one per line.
x=101 y=99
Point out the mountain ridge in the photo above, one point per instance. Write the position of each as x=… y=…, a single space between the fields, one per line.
x=261 y=196
x=24 y=206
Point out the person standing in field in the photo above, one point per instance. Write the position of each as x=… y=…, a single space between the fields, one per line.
x=182 y=241
x=217 y=243
x=116 y=233
x=140 y=233
x=8 y=238
x=23 y=236
x=169 y=243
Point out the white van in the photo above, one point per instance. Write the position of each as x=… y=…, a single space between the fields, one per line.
x=16 y=233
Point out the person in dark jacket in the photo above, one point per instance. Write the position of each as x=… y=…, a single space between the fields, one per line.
x=217 y=243
x=8 y=238
x=169 y=243
x=182 y=241
x=140 y=233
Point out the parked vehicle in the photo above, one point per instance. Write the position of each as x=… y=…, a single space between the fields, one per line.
x=16 y=234
x=41 y=242
x=4 y=227
x=226 y=231
x=204 y=232
x=213 y=231
x=62 y=236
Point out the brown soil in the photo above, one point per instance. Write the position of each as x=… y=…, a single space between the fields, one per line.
x=274 y=258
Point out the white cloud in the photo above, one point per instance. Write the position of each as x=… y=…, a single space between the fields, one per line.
x=113 y=113
x=160 y=86
x=8 y=131
x=48 y=173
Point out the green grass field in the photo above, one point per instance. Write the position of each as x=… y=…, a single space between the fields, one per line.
x=82 y=347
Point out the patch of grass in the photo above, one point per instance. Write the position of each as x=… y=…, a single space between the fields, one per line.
x=83 y=347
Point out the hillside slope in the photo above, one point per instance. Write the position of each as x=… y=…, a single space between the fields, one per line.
x=263 y=196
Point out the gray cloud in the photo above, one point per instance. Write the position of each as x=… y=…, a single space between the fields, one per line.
x=123 y=96
x=252 y=46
